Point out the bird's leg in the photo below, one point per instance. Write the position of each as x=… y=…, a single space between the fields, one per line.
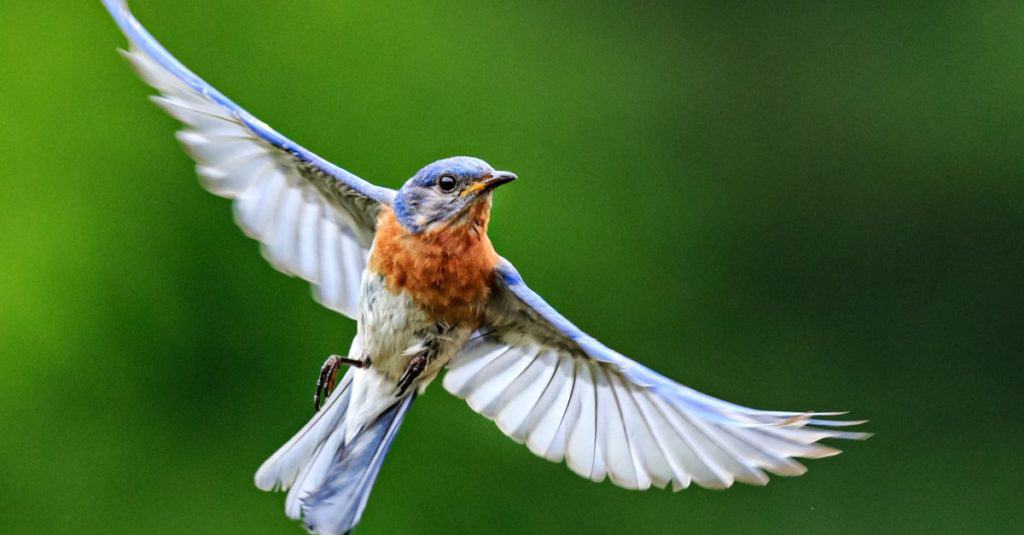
x=413 y=370
x=328 y=377
x=423 y=353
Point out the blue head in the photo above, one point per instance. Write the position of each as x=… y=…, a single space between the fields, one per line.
x=444 y=191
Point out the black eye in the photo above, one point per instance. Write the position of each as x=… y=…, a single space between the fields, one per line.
x=446 y=183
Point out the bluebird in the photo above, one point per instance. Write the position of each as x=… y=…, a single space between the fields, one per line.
x=416 y=270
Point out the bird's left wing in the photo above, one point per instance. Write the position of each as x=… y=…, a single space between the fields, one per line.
x=567 y=396
x=313 y=218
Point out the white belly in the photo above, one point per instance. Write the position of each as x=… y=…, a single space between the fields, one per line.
x=392 y=329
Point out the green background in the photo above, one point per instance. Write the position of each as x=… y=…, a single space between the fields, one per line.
x=808 y=206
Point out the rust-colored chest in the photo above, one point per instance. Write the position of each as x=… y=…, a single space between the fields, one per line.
x=448 y=271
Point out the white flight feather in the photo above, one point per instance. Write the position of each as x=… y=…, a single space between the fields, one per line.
x=524 y=394
x=581 y=438
x=273 y=203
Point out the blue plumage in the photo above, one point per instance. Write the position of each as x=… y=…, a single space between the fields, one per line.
x=337 y=506
x=141 y=38
x=466 y=166
x=712 y=408
x=420 y=203
x=512 y=356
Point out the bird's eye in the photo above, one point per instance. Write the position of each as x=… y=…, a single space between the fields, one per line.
x=446 y=183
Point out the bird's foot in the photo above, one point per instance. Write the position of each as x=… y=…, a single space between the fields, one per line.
x=413 y=370
x=328 y=377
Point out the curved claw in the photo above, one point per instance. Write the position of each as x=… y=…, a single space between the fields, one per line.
x=327 y=380
x=412 y=370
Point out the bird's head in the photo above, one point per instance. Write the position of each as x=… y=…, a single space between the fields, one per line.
x=446 y=193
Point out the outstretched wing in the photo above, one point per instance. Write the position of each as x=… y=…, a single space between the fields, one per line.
x=567 y=396
x=313 y=219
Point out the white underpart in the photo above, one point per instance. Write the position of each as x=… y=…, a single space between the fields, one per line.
x=391 y=327
x=604 y=414
x=387 y=335
x=372 y=393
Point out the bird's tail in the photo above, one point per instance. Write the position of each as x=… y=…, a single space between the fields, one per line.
x=330 y=478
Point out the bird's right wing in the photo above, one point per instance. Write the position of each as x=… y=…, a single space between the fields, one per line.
x=313 y=218
x=567 y=396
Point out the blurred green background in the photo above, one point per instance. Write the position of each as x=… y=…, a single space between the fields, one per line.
x=814 y=205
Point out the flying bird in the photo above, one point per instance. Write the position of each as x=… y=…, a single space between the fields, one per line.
x=416 y=270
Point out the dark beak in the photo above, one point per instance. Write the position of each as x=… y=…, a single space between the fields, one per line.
x=489 y=182
x=498 y=178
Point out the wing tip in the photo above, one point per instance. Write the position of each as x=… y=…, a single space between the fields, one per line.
x=852 y=435
x=121 y=14
x=264 y=481
x=115 y=6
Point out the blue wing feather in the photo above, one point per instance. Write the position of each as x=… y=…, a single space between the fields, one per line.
x=548 y=384
x=710 y=407
x=141 y=38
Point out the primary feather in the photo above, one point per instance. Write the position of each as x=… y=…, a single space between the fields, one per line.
x=313 y=219
x=569 y=397
x=539 y=377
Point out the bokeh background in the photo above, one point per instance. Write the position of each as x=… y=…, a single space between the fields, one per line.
x=814 y=205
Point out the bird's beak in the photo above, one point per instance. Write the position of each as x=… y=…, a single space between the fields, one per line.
x=489 y=182
x=498 y=178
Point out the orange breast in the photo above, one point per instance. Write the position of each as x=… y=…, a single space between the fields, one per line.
x=448 y=271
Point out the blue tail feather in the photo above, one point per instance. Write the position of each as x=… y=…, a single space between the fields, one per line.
x=338 y=504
